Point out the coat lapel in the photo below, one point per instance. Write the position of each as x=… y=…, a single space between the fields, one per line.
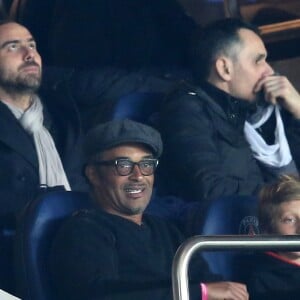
x=15 y=137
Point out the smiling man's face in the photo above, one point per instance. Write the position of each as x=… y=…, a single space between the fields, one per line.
x=126 y=196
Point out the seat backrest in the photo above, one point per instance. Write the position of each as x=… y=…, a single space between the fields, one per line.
x=138 y=106
x=229 y=216
x=38 y=225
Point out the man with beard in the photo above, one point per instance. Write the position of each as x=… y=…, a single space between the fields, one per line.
x=220 y=140
x=38 y=135
x=116 y=251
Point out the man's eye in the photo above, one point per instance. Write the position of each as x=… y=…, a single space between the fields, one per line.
x=147 y=164
x=32 y=46
x=13 y=47
x=124 y=165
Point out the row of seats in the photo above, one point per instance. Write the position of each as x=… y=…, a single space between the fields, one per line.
x=43 y=216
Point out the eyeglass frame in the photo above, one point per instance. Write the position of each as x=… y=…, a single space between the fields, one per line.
x=114 y=162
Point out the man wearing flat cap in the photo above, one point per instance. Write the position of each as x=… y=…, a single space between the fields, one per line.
x=116 y=251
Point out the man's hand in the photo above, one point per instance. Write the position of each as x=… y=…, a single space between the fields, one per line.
x=227 y=290
x=278 y=89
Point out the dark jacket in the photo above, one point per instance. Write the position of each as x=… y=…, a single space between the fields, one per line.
x=97 y=255
x=206 y=149
x=19 y=173
x=274 y=278
x=96 y=91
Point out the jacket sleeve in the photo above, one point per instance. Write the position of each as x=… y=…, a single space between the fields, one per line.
x=93 y=86
x=192 y=153
x=97 y=90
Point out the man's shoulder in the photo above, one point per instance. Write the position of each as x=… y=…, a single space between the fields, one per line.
x=90 y=224
x=57 y=100
x=191 y=101
x=85 y=219
x=187 y=95
x=91 y=216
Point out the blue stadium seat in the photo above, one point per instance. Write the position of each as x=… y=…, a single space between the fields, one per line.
x=40 y=221
x=229 y=216
x=138 y=106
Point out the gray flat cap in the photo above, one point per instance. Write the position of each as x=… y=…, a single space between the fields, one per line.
x=118 y=132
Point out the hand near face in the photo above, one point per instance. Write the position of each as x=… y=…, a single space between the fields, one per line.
x=278 y=89
x=227 y=290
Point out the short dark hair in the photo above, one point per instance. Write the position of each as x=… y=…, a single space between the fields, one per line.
x=285 y=189
x=208 y=42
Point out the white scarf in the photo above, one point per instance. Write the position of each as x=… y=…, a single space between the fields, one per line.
x=276 y=155
x=51 y=171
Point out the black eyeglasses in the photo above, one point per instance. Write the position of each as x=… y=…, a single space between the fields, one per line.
x=125 y=166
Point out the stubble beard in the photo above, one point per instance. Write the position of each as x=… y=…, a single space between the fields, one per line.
x=29 y=83
x=131 y=211
x=20 y=83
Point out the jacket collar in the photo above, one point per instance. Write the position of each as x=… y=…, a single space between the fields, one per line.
x=235 y=110
x=14 y=136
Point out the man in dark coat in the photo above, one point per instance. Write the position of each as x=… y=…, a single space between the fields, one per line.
x=116 y=251
x=238 y=126
x=39 y=136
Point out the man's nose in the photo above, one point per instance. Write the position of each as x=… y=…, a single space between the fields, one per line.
x=136 y=173
x=269 y=70
x=28 y=54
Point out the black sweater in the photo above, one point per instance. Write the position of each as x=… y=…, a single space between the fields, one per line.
x=102 y=256
x=274 y=278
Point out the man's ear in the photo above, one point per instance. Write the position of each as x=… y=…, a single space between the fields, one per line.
x=223 y=68
x=92 y=175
